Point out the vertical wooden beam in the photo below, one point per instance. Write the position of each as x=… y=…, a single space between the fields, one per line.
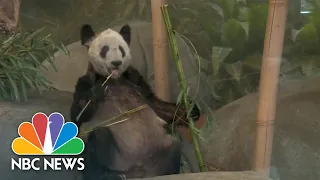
x=272 y=54
x=160 y=51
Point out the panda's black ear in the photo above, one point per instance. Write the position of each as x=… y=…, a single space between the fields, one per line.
x=125 y=32
x=86 y=34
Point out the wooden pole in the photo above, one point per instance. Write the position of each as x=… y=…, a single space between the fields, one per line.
x=273 y=45
x=160 y=51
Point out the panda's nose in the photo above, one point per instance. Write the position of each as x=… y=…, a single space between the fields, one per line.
x=116 y=63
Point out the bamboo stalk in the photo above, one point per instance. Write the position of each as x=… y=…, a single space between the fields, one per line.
x=114 y=120
x=160 y=52
x=272 y=54
x=182 y=82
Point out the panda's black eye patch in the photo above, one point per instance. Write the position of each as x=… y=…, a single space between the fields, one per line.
x=104 y=50
x=122 y=51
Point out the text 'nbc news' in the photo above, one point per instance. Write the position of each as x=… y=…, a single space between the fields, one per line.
x=56 y=164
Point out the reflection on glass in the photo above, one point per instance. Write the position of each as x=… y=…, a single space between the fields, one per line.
x=305 y=7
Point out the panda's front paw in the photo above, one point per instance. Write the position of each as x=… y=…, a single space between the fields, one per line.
x=195 y=112
x=98 y=93
x=108 y=176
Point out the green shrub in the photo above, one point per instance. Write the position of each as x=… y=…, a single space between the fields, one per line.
x=21 y=56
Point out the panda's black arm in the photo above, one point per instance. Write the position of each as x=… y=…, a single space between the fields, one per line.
x=85 y=90
x=167 y=111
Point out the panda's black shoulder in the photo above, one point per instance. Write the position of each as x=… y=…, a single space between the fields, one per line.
x=133 y=75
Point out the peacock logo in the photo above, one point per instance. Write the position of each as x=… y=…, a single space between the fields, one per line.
x=47 y=136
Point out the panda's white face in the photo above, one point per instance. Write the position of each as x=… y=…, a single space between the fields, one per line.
x=109 y=53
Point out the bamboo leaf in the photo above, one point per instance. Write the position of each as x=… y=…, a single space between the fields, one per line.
x=32 y=35
x=3 y=92
x=22 y=55
x=13 y=63
x=50 y=59
x=13 y=86
x=28 y=81
x=34 y=58
x=24 y=90
x=64 y=49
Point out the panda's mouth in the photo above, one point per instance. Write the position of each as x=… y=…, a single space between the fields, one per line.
x=115 y=72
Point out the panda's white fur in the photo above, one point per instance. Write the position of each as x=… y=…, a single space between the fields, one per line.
x=113 y=40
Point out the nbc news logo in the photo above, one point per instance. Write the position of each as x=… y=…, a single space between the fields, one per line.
x=47 y=136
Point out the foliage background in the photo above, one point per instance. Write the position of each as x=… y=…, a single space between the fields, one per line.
x=228 y=34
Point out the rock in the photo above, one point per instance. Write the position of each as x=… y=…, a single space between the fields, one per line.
x=70 y=68
x=296 y=145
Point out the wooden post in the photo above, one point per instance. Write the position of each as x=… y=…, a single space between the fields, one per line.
x=160 y=51
x=272 y=54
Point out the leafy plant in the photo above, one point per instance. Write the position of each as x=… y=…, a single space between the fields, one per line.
x=21 y=56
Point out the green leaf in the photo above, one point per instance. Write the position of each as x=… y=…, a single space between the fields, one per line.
x=235 y=70
x=50 y=59
x=34 y=58
x=13 y=86
x=32 y=35
x=216 y=8
x=13 y=63
x=233 y=34
x=294 y=34
x=22 y=55
x=245 y=26
x=28 y=81
x=24 y=90
x=209 y=121
x=218 y=56
x=253 y=61
x=243 y=14
x=307 y=39
x=3 y=92
x=212 y=86
x=179 y=98
x=64 y=49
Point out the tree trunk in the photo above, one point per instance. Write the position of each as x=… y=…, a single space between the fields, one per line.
x=9 y=16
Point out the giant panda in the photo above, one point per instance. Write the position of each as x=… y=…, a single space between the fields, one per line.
x=139 y=147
